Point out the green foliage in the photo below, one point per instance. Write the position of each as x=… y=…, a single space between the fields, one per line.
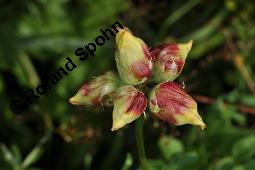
x=170 y=146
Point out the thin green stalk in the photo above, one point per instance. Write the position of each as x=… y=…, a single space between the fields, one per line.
x=29 y=69
x=114 y=152
x=140 y=143
x=175 y=16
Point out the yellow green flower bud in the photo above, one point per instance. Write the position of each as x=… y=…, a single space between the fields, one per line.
x=169 y=60
x=129 y=104
x=94 y=91
x=133 y=58
x=169 y=102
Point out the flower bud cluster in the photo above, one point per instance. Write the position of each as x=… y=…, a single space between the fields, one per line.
x=136 y=65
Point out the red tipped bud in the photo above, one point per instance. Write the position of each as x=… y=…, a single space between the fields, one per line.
x=169 y=60
x=169 y=102
x=129 y=104
x=94 y=91
x=133 y=58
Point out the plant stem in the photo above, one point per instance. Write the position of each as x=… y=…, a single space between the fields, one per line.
x=140 y=143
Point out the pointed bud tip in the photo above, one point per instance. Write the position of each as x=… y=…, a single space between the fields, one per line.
x=117 y=125
x=132 y=57
x=126 y=29
x=202 y=126
x=190 y=43
x=199 y=122
x=122 y=31
x=73 y=101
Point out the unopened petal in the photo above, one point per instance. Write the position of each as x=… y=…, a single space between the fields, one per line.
x=133 y=58
x=169 y=102
x=129 y=104
x=94 y=91
x=169 y=60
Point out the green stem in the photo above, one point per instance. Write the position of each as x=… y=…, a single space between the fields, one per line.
x=140 y=143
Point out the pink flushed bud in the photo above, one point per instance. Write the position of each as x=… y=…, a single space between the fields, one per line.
x=94 y=91
x=169 y=60
x=129 y=104
x=169 y=102
x=133 y=58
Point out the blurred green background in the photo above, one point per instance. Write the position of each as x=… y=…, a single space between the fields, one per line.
x=35 y=38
